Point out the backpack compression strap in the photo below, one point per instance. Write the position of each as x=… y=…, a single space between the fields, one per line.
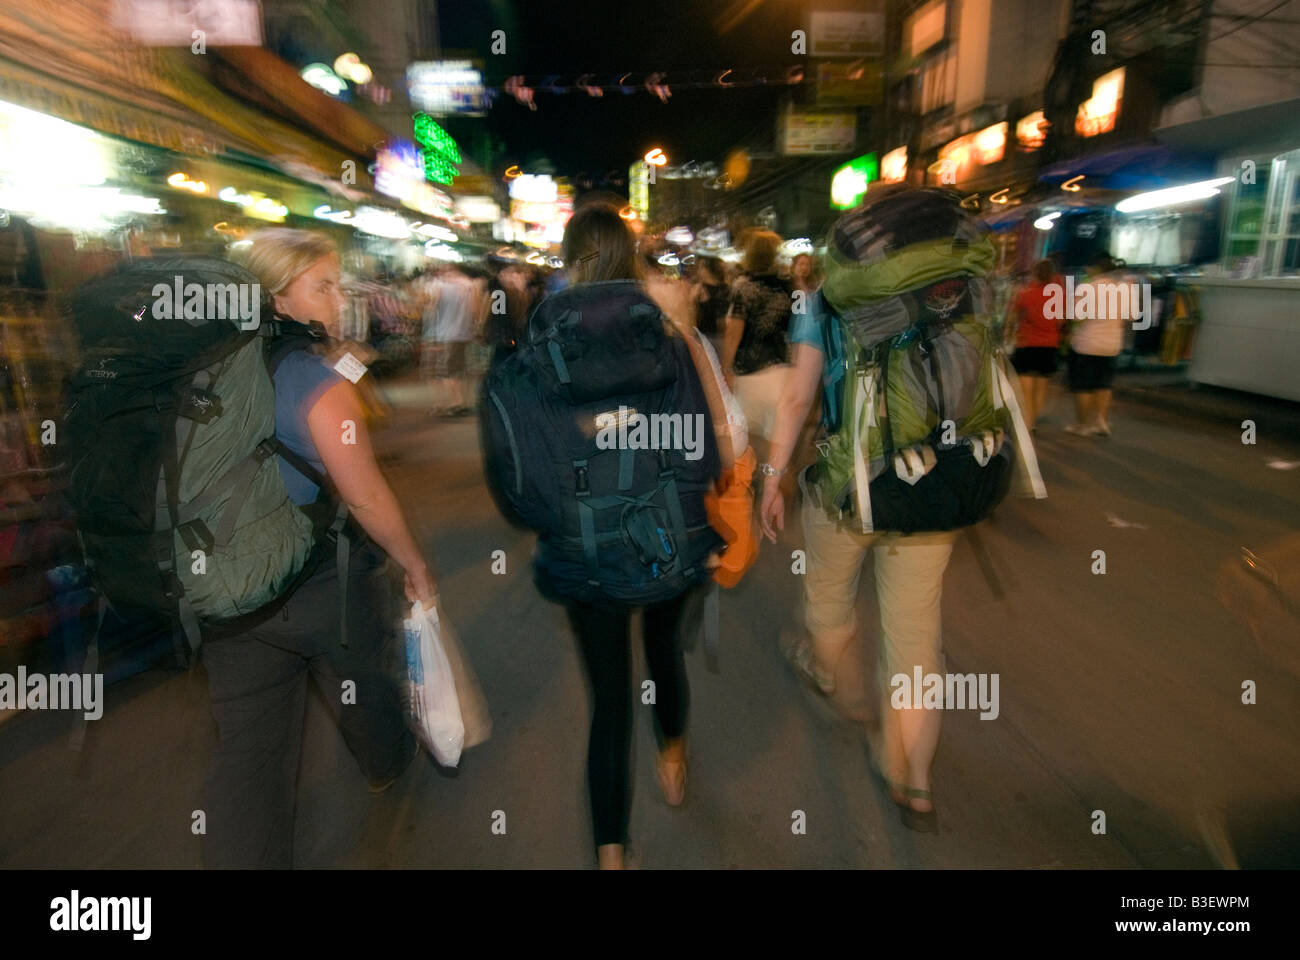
x=1004 y=394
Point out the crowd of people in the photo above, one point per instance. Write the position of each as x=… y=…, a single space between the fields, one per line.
x=756 y=351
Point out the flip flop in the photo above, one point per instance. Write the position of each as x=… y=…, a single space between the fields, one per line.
x=922 y=821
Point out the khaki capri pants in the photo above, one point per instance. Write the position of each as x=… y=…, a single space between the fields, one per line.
x=909 y=585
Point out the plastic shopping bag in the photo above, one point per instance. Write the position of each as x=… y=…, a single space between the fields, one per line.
x=432 y=700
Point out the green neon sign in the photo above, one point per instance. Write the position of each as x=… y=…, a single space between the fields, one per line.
x=440 y=151
x=849 y=182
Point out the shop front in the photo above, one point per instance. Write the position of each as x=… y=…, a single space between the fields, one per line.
x=1250 y=296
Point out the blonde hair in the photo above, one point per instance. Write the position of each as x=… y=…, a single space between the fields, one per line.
x=278 y=255
x=760 y=252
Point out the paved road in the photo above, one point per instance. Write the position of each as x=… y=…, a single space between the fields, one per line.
x=1119 y=692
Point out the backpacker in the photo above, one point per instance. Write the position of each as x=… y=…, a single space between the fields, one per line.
x=617 y=500
x=170 y=426
x=924 y=427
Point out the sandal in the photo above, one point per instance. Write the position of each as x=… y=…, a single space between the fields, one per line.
x=922 y=821
x=799 y=652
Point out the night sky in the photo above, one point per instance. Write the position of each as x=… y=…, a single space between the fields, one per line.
x=582 y=134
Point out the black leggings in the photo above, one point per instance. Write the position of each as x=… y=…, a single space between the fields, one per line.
x=602 y=632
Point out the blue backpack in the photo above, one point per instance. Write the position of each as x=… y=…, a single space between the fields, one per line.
x=617 y=519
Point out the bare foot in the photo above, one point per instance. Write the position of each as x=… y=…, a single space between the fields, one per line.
x=671 y=768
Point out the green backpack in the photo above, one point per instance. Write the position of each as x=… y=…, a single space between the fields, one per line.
x=170 y=429
x=924 y=430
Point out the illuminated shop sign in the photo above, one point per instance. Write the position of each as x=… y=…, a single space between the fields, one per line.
x=255 y=204
x=399 y=173
x=1031 y=131
x=960 y=157
x=1098 y=113
x=849 y=183
x=441 y=155
x=182 y=182
x=444 y=87
x=639 y=189
x=893 y=166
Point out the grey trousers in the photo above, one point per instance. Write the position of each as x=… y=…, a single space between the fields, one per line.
x=258 y=688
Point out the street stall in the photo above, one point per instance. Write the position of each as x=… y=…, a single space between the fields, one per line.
x=1250 y=294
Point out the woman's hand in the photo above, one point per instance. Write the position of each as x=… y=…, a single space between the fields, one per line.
x=771 y=510
x=421 y=586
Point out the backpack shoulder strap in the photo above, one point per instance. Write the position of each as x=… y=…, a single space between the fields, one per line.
x=289 y=336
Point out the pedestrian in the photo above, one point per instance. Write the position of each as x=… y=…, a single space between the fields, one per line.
x=258 y=679
x=712 y=299
x=449 y=325
x=510 y=301
x=805 y=273
x=755 y=357
x=1037 y=337
x=875 y=488
x=1095 y=341
x=621 y=523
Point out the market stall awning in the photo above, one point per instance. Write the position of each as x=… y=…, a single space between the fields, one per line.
x=1144 y=166
x=1270 y=123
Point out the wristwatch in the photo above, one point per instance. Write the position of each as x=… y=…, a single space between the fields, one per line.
x=767 y=470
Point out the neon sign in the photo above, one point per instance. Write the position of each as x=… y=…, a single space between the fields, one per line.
x=440 y=151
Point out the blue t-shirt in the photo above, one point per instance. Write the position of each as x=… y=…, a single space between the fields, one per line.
x=300 y=380
x=818 y=328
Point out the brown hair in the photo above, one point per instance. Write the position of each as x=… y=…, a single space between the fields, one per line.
x=1044 y=271
x=599 y=246
x=760 y=252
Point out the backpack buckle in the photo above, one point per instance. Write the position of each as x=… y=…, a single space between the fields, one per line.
x=665 y=465
x=266 y=449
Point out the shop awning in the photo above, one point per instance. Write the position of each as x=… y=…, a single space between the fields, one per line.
x=71 y=63
x=262 y=78
x=1144 y=166
x=1272 y=123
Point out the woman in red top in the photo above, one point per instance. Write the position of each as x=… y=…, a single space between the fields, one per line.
x=1038 y=339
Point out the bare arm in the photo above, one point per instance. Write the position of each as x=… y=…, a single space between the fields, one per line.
x=732 y=329
x=338 y=429
x=797 y=396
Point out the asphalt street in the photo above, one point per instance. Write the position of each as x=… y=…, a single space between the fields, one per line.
x=1119 y=692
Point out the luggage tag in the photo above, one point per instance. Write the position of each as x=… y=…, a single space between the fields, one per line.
x=350 y=367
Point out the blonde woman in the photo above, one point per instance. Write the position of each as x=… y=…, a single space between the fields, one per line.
x=258 y=680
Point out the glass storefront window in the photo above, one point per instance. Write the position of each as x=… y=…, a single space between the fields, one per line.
x=1245 y=224
x=1265 y=218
